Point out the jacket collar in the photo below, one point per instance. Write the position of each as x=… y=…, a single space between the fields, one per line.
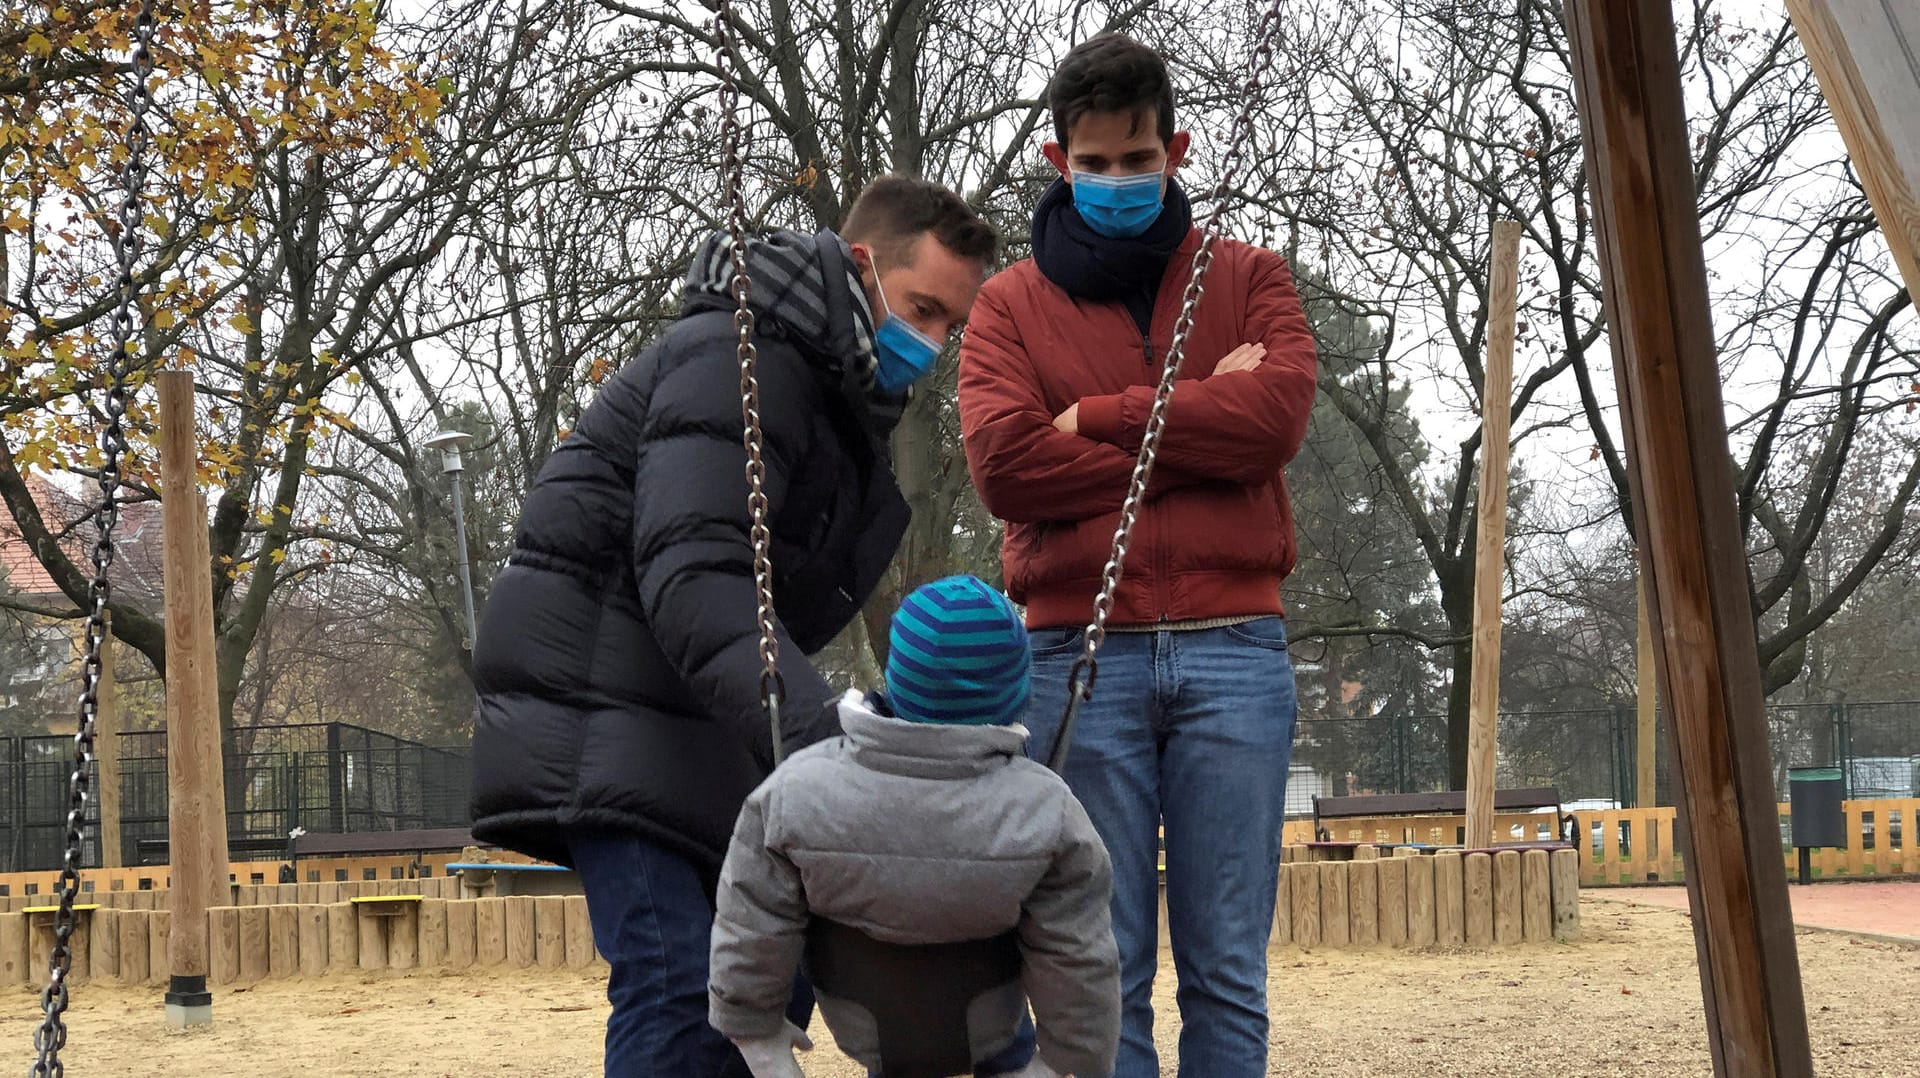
x=925 y=750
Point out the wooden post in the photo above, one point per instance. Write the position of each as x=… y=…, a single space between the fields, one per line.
x=460 y=928
x=1646 y=704
x=1536 y=897
x=370 y=937
x=1393 y=901
x=1449 y=895
x=106 y=754
x=159 y=942
x=196 y=799
x=1563 y=873
x=1647 y=223
x=433 y=933
x=314 y=936
x=1477 y=900
x=1489 y=574
x=1506 y=897
x=1282 y=907
x=520 y=932
x=283 y=940
x=255 y=948
x=489 y=931
x=550 y=931
x=1336 y=916
x=15 y=963
x=403 y=938
x=1363 y=898
x=343 y=937
x=1862 y=53
x=104 y=960
x=580 y=952
x=1420 y=904
x=136 y=956
x=223 y=942
x=1306 y=903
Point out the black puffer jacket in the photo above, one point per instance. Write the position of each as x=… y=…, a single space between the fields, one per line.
x=617 y=662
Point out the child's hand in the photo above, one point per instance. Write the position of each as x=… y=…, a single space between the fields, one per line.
x=772 y=1057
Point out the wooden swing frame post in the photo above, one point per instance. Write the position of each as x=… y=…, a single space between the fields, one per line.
x=196 y=799
x=1490 y=550
x=1633 y=113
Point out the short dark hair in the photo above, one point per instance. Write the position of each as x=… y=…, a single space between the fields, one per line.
x=1110 y=72
x=893 y=211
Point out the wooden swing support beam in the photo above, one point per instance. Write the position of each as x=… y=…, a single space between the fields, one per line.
x=1692 y=558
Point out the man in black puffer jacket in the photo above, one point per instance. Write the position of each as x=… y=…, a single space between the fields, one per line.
x=620 y=724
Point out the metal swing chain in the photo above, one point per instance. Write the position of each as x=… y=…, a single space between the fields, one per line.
x=51 y=1036
x=1086 y=668
x=732 y=167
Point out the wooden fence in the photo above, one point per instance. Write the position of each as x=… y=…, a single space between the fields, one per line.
x=1629 y=846
x=95 y=883
x=1367 y=896
x=251 y=943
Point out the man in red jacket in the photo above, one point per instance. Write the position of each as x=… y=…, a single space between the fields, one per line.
x=1191 y=723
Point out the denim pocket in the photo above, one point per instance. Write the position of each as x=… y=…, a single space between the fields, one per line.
x=1051 y=643
x=1270 y=633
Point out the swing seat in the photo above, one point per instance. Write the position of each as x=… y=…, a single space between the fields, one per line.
x=918 y=994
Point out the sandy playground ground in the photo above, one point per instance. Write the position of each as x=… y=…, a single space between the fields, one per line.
x=1622 y=1002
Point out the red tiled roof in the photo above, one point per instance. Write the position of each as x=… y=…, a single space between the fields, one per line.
x=137 y=565
x=24 y=575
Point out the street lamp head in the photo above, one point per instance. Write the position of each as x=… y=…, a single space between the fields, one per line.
x=450 y=442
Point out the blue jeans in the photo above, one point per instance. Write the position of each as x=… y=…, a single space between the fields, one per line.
x=652 y=922
x=1192 y=730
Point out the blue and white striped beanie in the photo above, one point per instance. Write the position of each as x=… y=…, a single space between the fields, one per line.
x=958 y=655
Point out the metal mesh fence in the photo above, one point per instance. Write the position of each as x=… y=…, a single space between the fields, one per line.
x=328 y=777
x=1591 y=756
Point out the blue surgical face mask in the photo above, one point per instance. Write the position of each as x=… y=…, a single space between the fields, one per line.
x=1117 y=206
x=906 y=354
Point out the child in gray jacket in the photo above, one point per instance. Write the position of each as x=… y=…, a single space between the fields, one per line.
x=925 y=823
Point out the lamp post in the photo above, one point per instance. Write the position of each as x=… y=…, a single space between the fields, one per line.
x=450 y=441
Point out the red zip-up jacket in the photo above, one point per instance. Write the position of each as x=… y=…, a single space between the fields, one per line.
x=1215 y=536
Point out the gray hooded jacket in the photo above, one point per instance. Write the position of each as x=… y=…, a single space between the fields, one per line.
x=917 y=834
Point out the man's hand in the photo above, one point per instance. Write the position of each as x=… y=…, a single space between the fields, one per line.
x=1244 y=358
x=1069 y=420
x=772 y=1057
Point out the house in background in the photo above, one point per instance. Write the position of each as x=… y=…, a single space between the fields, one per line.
x=40 y=652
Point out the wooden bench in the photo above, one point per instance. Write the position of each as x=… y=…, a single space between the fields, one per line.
x=1412 y=819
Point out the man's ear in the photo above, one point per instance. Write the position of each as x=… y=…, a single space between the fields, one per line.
x=862 y=261
x=1177 y=148
x=1056 y=156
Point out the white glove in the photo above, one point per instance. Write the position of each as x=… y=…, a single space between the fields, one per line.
x=1037 y=1068
x=772 y=1057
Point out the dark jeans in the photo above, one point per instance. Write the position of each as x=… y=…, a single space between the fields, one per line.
x=652 y=922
